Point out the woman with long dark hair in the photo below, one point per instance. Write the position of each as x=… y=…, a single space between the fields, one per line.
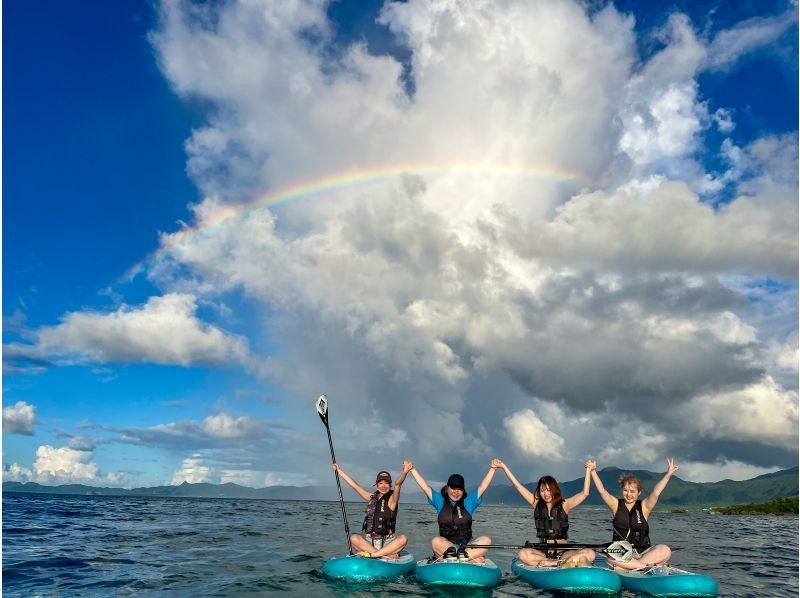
x=551 y=513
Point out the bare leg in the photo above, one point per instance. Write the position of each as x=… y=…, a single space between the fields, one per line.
x=439 y=545
x=657 y=555
x=361 y=544
x=475 y=555
x=535 y=558
x=392 y=549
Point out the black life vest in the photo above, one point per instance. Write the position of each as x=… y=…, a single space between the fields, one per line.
x=455 y=522
x=631 y=525
x=553 y=525
x=380 y=519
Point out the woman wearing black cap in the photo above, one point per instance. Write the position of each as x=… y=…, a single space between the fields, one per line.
x=455 y=507
x=379 y=539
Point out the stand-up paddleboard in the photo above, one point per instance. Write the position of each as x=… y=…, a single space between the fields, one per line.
x=583 y=580
x=667 y=581
x=358 y=569
x=461 y=573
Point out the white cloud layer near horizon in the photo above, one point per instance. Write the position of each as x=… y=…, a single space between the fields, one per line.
x=553 y=228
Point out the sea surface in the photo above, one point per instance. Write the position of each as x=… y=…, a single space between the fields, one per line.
x=120 y=546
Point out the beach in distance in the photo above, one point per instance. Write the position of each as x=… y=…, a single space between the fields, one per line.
x=66 y=545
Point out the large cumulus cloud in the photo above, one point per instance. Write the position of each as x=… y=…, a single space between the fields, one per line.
x=604 y=289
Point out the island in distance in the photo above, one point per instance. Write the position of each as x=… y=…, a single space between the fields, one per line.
x=679 y=493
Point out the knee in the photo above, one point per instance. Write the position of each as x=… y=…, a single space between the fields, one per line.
x=401 y=538
x=482 y=540
x=667 y=551
x=355 y=537
x=589 y=554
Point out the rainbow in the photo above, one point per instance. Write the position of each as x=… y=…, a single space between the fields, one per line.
x=343 y=180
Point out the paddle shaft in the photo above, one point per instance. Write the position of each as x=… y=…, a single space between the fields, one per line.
x=338 y=483
x=539 y=546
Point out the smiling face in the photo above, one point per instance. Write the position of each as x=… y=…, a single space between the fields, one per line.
x=383 y=486
x=630 y=492
x=454 y=494
x=545 y=493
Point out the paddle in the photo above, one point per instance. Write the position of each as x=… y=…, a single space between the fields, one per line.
x=617 y=550
x=322 y=410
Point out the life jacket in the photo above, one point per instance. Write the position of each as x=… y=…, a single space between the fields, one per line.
x=631 y=525
x=551 y=525
x=455 y=522
x=380 y=519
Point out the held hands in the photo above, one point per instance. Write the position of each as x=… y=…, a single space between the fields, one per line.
x=497 y=463
x=591 y=465
x=407 y=466
x=671 y=467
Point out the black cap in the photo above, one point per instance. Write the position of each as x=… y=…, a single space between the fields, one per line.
x=383 y=475
x=456 y=481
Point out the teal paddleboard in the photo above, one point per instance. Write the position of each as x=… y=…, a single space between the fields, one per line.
x=667 y=581
x=470 y=575
x=357 y=569
x=583 y=580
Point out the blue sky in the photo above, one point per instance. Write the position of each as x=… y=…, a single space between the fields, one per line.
x=557 y=231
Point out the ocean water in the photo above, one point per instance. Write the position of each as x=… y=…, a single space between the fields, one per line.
x=112 y=546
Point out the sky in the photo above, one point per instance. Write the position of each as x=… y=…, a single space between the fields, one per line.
x=540 y=231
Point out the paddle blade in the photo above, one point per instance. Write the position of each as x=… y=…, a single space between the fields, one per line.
x=322 y=408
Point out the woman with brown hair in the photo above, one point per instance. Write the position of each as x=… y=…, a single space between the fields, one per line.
x=551 y=513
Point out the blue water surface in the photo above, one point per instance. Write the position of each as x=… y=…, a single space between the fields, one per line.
x=101 y=546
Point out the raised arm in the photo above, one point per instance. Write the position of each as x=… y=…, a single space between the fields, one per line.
x=607 y=497
x=529 y=497
x=352 y=483
x=426 y=489
x=574 y=501
x=650 y=502
x=487 y=479
x=395 y=497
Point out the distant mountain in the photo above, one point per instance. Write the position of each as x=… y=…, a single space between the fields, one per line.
x=184 y=490
x=781 y=484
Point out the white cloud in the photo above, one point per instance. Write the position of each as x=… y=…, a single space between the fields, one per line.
x=264 y=479
x=763 y=413
x=225 y=426
x=217 y=430
x=723 y=118
x=193 y=470
x=17 y=473
x=164 y=331
x=64 y=465
x=531 y=436
x=19 y=418
x=731 y=44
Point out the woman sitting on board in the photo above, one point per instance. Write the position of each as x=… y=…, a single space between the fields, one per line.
x=455 y=508
x=379 y=539
x=551 y=513
x=630 y=518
